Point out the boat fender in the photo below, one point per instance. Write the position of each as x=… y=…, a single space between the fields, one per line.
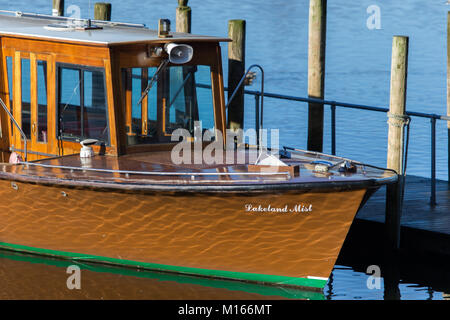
x=15 y=158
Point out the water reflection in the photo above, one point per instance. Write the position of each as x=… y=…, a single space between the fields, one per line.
x=24 y=276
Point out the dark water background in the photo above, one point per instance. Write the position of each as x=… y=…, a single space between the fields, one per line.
x=357 y=71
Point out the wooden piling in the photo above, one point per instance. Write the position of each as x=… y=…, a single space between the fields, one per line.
x=58 y=8
x=448 y=91
x=316 y=71
x=183 y=17
x=397 y=106
x=102 y=11
x=395 y=156
x=236 y=70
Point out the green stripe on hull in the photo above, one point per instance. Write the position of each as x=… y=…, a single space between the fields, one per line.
x=218 y=274
x=291 y=293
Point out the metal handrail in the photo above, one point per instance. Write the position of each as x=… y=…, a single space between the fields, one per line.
x=259 y=108
x=157 y=173
x=18 y=128
x=63 y=18
x=333 y=104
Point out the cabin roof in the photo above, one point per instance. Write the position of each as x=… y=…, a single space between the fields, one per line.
x=34 y=28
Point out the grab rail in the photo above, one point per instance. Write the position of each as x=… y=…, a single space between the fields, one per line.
x=158 y=173
x=333 y=104
x=18 y=128
x=259 y=108
x=70 y=19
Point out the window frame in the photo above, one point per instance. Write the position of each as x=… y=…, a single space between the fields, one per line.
x=81 y=69
x=161 y=84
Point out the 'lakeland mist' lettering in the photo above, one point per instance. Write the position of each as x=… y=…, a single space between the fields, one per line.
x=286 y=209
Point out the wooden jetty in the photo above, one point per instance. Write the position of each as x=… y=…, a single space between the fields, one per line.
x=423 y=256
x=425 y=228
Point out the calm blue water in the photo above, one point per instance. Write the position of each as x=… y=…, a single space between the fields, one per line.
x=357 y=68
x=357 y=71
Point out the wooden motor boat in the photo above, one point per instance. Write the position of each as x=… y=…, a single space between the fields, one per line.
x=90 y=113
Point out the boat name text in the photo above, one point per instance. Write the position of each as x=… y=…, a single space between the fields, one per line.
x=286 y=209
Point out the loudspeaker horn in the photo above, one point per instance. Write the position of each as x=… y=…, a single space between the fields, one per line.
x=179 y=53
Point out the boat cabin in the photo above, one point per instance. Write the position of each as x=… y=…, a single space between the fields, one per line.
x=65 y=81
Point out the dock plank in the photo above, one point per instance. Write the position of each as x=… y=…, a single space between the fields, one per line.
x=417 y=211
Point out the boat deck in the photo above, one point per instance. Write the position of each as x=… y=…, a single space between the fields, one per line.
x=156 y=169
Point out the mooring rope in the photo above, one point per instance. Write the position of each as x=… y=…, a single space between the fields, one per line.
x=402 y=121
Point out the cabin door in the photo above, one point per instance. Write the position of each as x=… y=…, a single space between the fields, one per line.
x=32 y=105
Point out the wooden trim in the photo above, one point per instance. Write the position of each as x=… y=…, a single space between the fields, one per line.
x=7 y=129
x=144 y=105
x=4 y=94
x=111 y=106
x=218 y=95
x=163 y=118
x=136 y=56
x=19 y=37
x=166 y=146
x=113 y=44
x=17 y=96
x=128 y=100
x=33 y=100
x=77 y=52
x=73 y=147
x=52 y=143
x=119 y=109
x=149 y=147
x=222 y=106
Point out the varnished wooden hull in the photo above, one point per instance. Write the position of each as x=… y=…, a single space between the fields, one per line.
x=206 y=234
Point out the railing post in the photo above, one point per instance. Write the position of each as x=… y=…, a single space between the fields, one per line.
x=58 y=8
x=183 y=17
x=333 y=129
x=433 y=162
x=257 y=96
x=102 y=11
x=397 y=109
x=316 y=71
x=236 y=70
x=448 y=92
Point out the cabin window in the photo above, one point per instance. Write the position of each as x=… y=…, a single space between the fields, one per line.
x=82 y=103
x=141 y=126
x=187 y=103
x=9 y=67
x=26 y=97
x=42 y=101
x=173 y=102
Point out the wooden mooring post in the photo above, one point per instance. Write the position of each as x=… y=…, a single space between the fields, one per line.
x=236 y=70
x=397 y=121
x=183 y=17
x=448 y=91
x=102 y=11
x=58 y=8
x=183 y=24
x=316 y=71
